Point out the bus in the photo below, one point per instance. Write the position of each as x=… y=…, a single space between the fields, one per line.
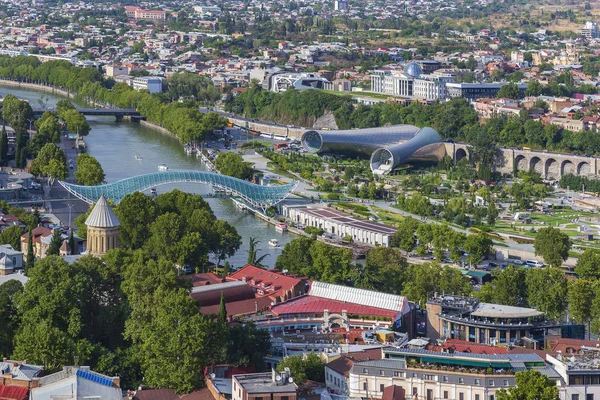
x=526 y=148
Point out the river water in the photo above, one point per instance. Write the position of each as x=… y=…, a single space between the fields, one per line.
x=115 y=144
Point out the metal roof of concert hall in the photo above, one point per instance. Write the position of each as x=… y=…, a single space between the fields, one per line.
x=256 y=195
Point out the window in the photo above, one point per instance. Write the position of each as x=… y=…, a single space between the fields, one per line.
x=364 y=371
x=445 y=379
x=476 y=397
x=574 y=397
x=477 y=381
x=381 y=387
x=461 y=396
x=365 y=386
x=381 y=372
x=461 y=380
x=445 y=394
x=492 y=397
x=490 y=382
x=284 y=398
x=505 y=382
x=589 y=396
x=429 y=377
x=399 y=374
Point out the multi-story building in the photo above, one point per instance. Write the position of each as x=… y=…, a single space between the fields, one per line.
x=580 y=374
x=589 y=30
x=431 y=375
x=341 y=224
x=411 y=83
x=465 y=318
x=327 y=306
x=341 y=5
x=152 y=84
x=473 y=91
x=263 y=386
x=138 y=13
x=280 y=82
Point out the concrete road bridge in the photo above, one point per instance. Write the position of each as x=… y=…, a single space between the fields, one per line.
x=549 y=165
x=118 y=113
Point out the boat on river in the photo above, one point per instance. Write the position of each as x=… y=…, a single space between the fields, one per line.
x=281 y=228
x=138 y=157
x=274 y=243
x=163 y=167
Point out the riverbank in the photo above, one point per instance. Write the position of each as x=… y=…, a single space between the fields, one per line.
x=36 y=86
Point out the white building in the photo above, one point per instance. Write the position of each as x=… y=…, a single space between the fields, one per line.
x=341 y=224
x=589 y=30
x=77 y=383
x=10 y=259
x=580 y=374
x=280 y=82
x=341 y=5
x=152 y=84
x=116 y=70
x=411 y=83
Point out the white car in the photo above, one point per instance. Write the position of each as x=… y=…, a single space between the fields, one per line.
x=518 y=262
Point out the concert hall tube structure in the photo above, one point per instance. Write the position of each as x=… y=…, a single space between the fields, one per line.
x=388 y=147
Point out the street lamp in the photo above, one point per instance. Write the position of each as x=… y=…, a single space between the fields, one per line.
x=70 y=208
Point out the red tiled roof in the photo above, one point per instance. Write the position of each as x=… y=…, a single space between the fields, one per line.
x=202 y=394
x=310 y=304
x=562 y=344
x=205 y=279
x=241 y=307
x=155 y=394
x=231 y=294
x=281 y=282
x=37 y=234
x=13 y=392
x=467 y=347
x=393 y=392
x=343 y=364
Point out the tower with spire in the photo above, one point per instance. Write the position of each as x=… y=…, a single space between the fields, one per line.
x=102 y=228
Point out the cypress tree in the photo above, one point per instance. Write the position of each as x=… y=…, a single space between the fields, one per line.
x=30 y=255
x=72 y=242
x=55 y=243
x=222 y=311
x=3 y=146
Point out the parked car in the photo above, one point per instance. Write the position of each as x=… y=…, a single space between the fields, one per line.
x=518 y=262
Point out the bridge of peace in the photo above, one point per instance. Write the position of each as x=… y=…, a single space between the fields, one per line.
x=548 y=164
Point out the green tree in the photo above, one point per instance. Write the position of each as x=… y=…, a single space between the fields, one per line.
x=580 y=299
x=295 y=256
x=588 y=264
x=479 y=246
x=405 y=236
x=423 y=280
x=12 y=236
x=547 y=291
x=509 y=287
x=51 y=163
x=9 y=317
x=553 y=245
x=89 y=171
x=71 y=243
x=492 y=214
x=55 y=243
x=530 y=384
x=76 y=122
x=232 y=164
x=136 y=212
x=3 y=146
x=247 y=344
x=510 y=91
x=30 y=253
x=253 y=258
x=303 y=368
x=176 y=335
x=64 y=105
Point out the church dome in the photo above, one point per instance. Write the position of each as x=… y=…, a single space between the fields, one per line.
x=413 y=69
x=102 y=216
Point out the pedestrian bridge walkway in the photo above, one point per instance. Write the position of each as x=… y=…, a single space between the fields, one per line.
x=256 y=195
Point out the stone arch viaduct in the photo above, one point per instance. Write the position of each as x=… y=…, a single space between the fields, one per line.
x=548 y=164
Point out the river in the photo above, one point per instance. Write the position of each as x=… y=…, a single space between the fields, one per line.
x=115 y=144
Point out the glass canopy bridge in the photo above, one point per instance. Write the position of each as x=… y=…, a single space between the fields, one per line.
x=261 y=197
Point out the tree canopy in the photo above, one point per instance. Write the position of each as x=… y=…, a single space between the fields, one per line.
x=89 y=171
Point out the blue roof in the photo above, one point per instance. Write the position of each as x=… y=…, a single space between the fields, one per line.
x=256 y=195
x=95 y=378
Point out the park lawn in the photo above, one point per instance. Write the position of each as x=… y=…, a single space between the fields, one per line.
x=387 y=215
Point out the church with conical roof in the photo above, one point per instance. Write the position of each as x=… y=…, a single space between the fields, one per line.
x=102 y=228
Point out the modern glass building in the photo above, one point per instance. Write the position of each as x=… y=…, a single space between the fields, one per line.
x=388 y=147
